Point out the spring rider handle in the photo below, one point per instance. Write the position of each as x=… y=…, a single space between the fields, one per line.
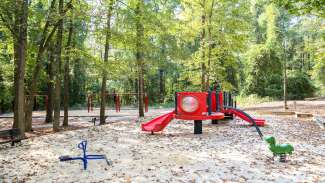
x=83 y=146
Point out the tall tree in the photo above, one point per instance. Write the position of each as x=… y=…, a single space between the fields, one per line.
x=107 y=45
x=58 y=60
x=140 y=54
x=202 y=42
x=18 y=30
x=20 y=53
x=210 y=41
x=67 y=73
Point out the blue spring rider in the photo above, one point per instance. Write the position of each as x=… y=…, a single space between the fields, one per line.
x=83 y=145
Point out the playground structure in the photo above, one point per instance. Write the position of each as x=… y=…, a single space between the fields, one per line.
x=200 y=106
x=117 y=97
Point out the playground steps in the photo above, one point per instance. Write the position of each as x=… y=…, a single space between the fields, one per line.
x=315 y=98
x=287 y=113
x=278 y=113
x=284 y=112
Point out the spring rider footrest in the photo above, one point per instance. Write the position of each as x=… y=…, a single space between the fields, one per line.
x=83 y=145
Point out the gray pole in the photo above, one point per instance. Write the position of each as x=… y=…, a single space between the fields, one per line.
x=285 y=75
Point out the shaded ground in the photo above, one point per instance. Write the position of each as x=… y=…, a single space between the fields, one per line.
x=228 y=152
x=79 y=119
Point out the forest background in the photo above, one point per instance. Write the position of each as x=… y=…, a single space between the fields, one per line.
x=68 y=49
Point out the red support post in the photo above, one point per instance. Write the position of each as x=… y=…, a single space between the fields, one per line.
x=118 y=103
x=115 y=102
x=146 y=103
x=90 y=103
x=221 y=100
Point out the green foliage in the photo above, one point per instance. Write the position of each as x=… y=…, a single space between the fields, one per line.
x=228 y=40
x=319 y=70
x=301 y=7
x=5 y=89
x=318 y=48
x=6 y=70
x=264 y=72
x=246 y=48
x=251 y=100
x=299 y=86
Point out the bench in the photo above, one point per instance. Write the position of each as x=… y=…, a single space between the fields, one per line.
x=12 y=136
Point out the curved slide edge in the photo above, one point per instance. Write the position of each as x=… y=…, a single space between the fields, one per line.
x=241 y=114
x=159 y=123
x=246 y=117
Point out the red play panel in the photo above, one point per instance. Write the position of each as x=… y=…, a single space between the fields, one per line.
x=195 y=102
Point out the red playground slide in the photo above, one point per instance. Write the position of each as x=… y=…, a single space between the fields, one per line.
x=243 y=115
x=159 y=123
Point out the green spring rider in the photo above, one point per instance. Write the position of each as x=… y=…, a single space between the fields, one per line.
x=279 y=149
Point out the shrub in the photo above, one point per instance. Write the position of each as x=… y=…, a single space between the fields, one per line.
x=299 y=86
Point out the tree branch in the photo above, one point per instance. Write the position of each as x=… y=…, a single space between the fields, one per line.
x=46 y=39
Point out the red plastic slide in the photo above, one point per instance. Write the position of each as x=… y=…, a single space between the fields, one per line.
x=159 y=123
x=259 y=122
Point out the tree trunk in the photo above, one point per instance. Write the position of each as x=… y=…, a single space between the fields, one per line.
x=57 y=90
x=108 y=38
x=209 y=45
x=67 y=76
x=203 y=66
x=50 y=87
x=139 y=55
x=20 y=49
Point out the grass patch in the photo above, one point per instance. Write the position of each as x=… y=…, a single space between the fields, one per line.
x=251 y=100
x=164 y=105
